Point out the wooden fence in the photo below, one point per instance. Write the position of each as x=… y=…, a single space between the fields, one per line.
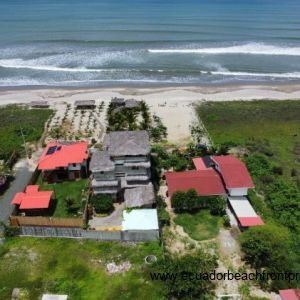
x=45 y=221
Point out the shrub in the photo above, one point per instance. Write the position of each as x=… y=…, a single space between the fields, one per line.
x=226 y=221
x=181 y=288
x=277 y=170
x=102 y=203
x=268 y=247
x=71 y=206
x=218 y=206
x=184 y=201
x=164 y=217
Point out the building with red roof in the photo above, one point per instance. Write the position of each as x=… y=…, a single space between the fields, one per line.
x=205 y=182
x=219 y=175
x=63 y=160
x=32 y=200
x=235 y=175
x=290 y=294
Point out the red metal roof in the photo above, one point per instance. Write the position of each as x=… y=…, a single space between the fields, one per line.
x=32 y=198
x=199 y=164
x=291 y=294
x=251 y=221
x=205 y=182
x=62 y=155
x=234 y=172
x=31 y=188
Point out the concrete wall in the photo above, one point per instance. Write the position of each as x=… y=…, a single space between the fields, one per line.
x=140 y=235
x=238 y=192
x=133 y=236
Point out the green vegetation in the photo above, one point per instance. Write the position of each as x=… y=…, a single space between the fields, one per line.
x=69 y=197
x=135 y=118
x=76 y=268
x=13 y=118
x=268 y=248
x=188 y=201
x=102 y=203
x=163 y=215
x=266 y=135
x=268 y=127
x=201 y=225
x=181 y=287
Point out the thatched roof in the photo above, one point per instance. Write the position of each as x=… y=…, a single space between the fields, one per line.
x=100 y=161
x=139 y=196
x=118 y=101
x=131 y=103
x=127 y=143
x=84 y=103
x=41 y=103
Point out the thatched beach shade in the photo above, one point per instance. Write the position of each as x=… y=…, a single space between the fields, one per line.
x=39 y=104
x=118 y=101
x=85 y=104
x=131 y=103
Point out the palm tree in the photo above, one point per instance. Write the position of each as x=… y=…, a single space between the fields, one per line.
x=146 y=122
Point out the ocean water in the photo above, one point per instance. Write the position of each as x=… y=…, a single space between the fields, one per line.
x=100 y=42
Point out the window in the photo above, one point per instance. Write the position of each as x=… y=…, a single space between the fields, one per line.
x=134 y=168
x=74 y=165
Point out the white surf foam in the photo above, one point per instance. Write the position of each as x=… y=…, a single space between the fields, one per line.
x=251 y=48
x=245 y=74
x=21 y=64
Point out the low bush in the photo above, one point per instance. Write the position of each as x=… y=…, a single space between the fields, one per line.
x=102 y=203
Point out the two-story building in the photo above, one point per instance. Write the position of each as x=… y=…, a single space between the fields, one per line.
x=63 y=161
x=123 y=163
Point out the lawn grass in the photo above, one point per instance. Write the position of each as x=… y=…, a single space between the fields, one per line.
x=13 y=118
x=200 y=225
x=76 y=268
x=62 y=191
x=276 y=123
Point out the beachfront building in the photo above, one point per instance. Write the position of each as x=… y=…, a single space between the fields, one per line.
x=39 y=104
x=63 y=161
x=123 y=163
x=235 y=175
x=32 y=201
x=85 y=104
x=223 y=175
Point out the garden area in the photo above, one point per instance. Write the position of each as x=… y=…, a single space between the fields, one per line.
x=69 y=197
x=80 y=269
x=201 y=225
x=265 y=134
x=200 y=217
x=17 y=120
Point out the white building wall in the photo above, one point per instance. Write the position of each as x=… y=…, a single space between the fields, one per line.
x=238 y=191
x=76 y=167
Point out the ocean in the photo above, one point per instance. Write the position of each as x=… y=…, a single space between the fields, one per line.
x=140 y=42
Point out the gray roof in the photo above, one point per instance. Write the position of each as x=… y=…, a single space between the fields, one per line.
x=127 y=143
x=84 y=103
x=131 y=103
x=39 y=103
x=139 y=196
x=100 y=161
x=117 y=100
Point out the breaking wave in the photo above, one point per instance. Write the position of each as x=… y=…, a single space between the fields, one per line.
x=251 y=48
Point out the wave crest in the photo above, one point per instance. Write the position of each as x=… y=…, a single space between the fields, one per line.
x=251 y=48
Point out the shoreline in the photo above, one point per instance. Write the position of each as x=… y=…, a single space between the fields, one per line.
x=156 y=85
x=174 y=105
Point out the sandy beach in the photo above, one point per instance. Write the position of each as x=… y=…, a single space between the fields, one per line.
x=173 y=104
